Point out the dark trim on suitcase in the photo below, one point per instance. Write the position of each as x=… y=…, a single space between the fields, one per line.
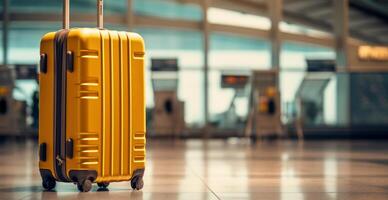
x=60 y=81
x=43 y=152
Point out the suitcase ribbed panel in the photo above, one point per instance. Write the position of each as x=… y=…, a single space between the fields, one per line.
x=106 y=129
x=88 y=100
x=138 y=102
x=125 y=103
x=84 y=100
x=116 y=106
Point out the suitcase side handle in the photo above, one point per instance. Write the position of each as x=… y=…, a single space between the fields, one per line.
x=66 y=14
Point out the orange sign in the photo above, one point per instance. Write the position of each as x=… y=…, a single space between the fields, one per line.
x=373 y=53
x=4 y=91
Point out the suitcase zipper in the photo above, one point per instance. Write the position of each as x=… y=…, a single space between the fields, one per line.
x=59 y=160
x=60 y=61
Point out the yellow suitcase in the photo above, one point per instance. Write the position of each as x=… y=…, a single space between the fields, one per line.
x=92 y=106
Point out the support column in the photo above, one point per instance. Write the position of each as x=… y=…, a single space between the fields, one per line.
x=275 y=8
x=205 y=32
x=341 y=34
x=130 y=15
x=5 y=31
x=341 y=31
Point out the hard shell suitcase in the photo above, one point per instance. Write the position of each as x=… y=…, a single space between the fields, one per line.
x=92 y=106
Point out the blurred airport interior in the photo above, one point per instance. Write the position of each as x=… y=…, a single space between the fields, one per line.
x=284 y=71
x=330 y=78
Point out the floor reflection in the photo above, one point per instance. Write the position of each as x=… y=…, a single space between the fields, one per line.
x=223 y=169
x=330 y=175
x=289 y=181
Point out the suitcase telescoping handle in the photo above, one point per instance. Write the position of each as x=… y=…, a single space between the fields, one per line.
x=66 y=14
x=100 y=14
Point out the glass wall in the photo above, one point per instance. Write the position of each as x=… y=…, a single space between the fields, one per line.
x=24 y=41
x=23 y=44
x=369 y=94
x=228 y=107
x=77 y=6
x=186 y=46
x=234 y=18
x=168 y=9
x=293 y=60
x=302 y=30
x=158 y=8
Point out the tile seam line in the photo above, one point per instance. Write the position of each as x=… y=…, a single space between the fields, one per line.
x=203 y=181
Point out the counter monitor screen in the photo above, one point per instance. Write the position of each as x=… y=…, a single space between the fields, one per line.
x=320 y=65
x=164 y=64
x=26 y=72
x=234 y=81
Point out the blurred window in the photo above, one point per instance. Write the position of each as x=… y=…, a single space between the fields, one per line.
x=171 y=39
x=24 y=90
x=369 y=98
x=50 y=6
x=228 y=17
x=168 y=9
x=303 y=30
x=293 y=70
x=24 y=41
x=238 y=52
x=293 y=55
x=228 y=107
x=187 y=47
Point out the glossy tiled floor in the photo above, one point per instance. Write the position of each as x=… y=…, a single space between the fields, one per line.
x=221 y=169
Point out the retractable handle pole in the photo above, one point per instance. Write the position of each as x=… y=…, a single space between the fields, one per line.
x=66 y=14
x=100 y=14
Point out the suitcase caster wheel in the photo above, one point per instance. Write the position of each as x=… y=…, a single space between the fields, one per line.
x=49 y=184
x=103 y=184
x=137 y=183
x=85 y=186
